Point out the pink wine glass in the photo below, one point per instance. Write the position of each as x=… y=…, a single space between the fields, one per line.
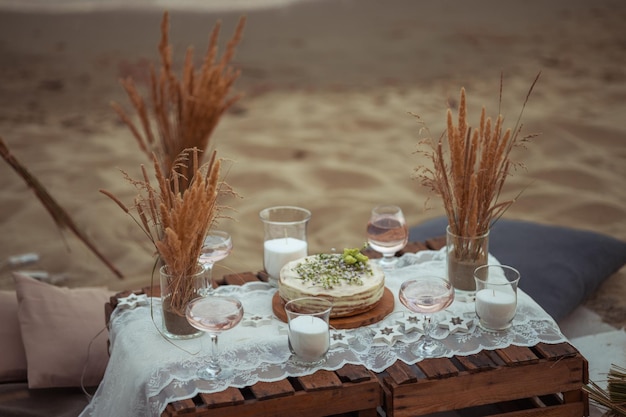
x=214 y=314
x=387 y=233
x=427 y=295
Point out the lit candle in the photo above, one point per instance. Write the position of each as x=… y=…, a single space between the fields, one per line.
x=277 y=252
x=495 y=308
x=309 y=337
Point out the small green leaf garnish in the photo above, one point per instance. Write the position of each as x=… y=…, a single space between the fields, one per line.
x=329 y=270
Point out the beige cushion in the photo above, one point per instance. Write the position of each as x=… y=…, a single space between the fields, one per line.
x=13 y=357
x=58 y=325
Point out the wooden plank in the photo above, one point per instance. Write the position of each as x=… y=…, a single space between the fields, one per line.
x=229 y=397
x=183 y=406
x=401 y=373
x=319 y=380
x=151 y=291
x=413 y=247
x=217 y=281
x=493 y=355
x=168 y=412
x=436 y=243
x=573 y=396
x=263 y=276
x=517 y=355
x=477 y=362
x=556 y=351
x=488 y=387
x=371 y=253
x=353 y=373
x=268 y=390
x=348 y=398
x=438 y=368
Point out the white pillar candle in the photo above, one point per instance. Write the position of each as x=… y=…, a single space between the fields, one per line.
x=495 y=308
x=277 y=252
x=309 y=337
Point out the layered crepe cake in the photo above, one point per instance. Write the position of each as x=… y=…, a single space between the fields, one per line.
x=352 y=283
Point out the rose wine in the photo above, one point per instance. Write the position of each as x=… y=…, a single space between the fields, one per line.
x=427 y=296
x=216 y=247
x=214 y=313
x=387 y=234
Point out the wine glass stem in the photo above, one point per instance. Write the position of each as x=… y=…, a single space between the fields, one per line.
x=208 y=278
x=427 y=329
x=388 y=260
x=214 y=364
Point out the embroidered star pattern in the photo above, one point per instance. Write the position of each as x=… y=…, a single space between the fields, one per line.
x=339 y=338
x=456 y=324
x=283 y=330
x=132 y=301
x=411 y=323
x=387 y=334
x=256 y=320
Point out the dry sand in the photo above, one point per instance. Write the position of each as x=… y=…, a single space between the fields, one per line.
x=324 y=123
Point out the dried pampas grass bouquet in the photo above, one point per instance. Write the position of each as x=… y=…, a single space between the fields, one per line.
x=181 y=113
x=469 y=170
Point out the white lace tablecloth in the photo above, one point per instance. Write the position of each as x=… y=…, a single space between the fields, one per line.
x=146 y=371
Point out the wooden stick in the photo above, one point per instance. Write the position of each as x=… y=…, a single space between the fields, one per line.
x=59 y=215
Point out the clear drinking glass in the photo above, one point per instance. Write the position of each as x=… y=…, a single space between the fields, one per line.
x=214 y=314
x=176 y=292
x=427 y=295
x=217 y=245
x=465 y=254
x=387 y=233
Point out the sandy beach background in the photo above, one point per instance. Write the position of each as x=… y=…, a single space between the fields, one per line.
x=324 y=122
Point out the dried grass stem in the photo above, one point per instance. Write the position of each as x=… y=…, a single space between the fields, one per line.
x=182 y=113
x=469 y=169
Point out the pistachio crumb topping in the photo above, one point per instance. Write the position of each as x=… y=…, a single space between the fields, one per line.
x=329 y=270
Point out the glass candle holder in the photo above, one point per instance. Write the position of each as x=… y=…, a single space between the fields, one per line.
x=496 y=296
x=285 y=237
x=309 y=329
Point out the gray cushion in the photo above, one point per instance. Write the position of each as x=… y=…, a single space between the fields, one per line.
x=560 y=267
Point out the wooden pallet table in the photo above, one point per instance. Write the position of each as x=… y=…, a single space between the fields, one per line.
x=351 y=390
x=543 y=380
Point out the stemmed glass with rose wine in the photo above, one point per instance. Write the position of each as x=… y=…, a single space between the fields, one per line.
x=214 y=314
x=427 y=295
x=217 y=245
x=387 y=233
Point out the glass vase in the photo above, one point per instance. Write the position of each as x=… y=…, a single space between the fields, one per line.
x=176 y=292
x=464 y=255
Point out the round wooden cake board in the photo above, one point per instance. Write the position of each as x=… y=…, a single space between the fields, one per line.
x=379 y=312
